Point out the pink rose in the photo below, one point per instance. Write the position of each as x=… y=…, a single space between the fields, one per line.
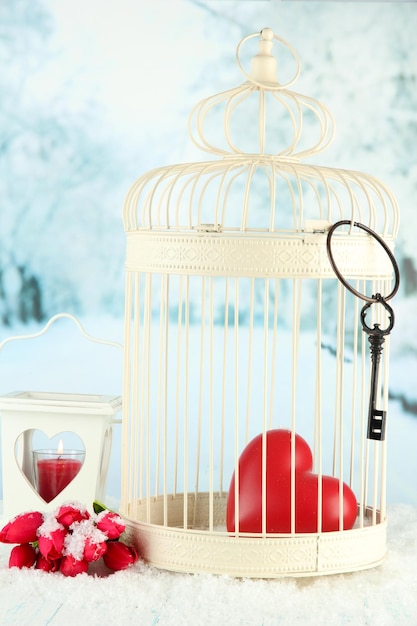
x=22 y=556
x=111 y=524
x=47 y=565
x=69 y=513
x=119 y=556
x=22 y=529
x=71 y=567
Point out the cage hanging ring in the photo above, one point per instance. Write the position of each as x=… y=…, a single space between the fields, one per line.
x=271 y=87
x=372 y=233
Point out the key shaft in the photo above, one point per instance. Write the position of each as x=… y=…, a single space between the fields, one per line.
x=376 y=338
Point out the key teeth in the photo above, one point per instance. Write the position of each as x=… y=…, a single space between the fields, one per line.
x=376 y=425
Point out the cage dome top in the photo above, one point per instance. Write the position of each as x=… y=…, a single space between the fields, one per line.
x=257 y=183
x=262 y=116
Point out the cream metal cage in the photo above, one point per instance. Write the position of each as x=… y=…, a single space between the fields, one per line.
x=236 y=326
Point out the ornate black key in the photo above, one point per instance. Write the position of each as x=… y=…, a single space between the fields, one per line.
x=376 y=338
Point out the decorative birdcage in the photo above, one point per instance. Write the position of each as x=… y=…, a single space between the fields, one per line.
x=247 y=446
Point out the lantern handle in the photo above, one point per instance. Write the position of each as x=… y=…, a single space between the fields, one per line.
x=51 y=321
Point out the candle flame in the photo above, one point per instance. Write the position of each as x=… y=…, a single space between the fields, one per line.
x=60 y=447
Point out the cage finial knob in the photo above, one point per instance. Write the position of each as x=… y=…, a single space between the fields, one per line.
x=264 y=64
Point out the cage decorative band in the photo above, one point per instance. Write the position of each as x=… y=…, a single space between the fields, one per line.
x=247 y=375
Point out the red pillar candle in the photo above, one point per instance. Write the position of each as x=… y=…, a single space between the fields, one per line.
x=54 y=471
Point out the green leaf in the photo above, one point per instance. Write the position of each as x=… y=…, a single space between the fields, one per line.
x=98 y=507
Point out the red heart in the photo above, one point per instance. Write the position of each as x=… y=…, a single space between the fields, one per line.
x=278 y=490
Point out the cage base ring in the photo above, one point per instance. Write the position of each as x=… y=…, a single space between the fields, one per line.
x=199 y=550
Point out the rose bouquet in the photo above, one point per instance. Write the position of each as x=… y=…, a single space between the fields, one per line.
x=68 y=539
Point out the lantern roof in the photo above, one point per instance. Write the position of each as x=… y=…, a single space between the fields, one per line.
x=40 y=401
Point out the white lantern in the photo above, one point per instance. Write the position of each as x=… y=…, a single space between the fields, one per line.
x=39 y=475
x=247 y=375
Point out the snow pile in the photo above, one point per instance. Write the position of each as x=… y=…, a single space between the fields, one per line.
x=146 y=596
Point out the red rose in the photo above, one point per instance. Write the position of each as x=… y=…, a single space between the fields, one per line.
x=71 y=567
x=51 y=547
x=22 y=529
x=47 y=565
x=69 y=513
x=85 y=541
x=111 y=524
x=119 y=556
x=93 y=551
x=51 y=537
x=22 y=556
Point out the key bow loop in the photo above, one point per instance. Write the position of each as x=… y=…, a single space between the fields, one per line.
x=377 y=330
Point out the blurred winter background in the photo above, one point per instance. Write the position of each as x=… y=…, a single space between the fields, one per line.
x=95 y=93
